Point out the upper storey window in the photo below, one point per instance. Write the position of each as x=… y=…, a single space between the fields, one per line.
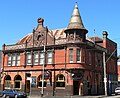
x=29 y=58
x=78 y=56
x=98 y=59
x=71 y=55
x=9 y=59
x=90 y=57
x=17 y=59
x=49 y=57
x=36 y=56
x=39 y=57
x=14 y=59
x=42 y=58
x=83 y=56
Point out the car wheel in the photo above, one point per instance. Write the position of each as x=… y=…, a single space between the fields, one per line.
x=3 y=96
x=7 y=97
x=16 y=96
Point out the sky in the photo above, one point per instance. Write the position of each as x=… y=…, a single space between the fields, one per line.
x=19 y=17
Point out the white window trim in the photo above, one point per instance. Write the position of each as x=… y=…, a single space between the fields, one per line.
x=79 y=55
x=71 y=61
x=29 y=58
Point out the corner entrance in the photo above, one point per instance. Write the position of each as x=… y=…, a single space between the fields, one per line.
x=76 y=85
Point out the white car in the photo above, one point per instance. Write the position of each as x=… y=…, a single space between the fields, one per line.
x=117 y=91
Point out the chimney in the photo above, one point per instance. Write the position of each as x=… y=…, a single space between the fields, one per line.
x=105 y=34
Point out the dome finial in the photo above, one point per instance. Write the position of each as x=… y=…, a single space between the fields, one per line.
x=76 y=3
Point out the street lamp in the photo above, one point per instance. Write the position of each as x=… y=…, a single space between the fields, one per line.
x=42 y=90
x=105 y=77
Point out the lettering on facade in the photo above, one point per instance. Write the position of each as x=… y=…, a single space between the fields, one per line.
x=77 y=75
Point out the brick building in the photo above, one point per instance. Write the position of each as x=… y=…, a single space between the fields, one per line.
x=64 y=61
x=118 y=63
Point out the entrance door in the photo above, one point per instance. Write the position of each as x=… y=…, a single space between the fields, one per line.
x=76 y=87
x=27 y=86
x=97 y=86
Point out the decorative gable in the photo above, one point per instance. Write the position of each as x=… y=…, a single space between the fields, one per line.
x=40 y=36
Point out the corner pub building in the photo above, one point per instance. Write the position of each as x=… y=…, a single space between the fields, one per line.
x=69 y=62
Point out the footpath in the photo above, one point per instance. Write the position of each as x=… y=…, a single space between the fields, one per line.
x=100 y=96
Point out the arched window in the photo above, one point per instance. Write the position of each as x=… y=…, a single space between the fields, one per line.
x=60 y=81
x=7 y=82
x=17 y=82
x=40 y=81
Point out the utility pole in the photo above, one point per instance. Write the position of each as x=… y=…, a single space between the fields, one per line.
x=42 y=91
x=105 y=75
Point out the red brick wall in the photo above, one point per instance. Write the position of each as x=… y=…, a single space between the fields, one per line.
x=118 y=71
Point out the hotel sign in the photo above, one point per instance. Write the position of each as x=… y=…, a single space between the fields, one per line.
x=77 y=75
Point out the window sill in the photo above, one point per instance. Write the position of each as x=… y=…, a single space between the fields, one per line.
x=70 y=61
x=17 y=88
x=60 y=87
x=78 y=61
x=41 y=87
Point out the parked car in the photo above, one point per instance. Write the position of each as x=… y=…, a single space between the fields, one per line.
x=10 y=93
x=117 y=91
x=1 y=94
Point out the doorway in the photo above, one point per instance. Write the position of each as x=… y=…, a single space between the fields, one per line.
x=27 y=86
x=76 y=85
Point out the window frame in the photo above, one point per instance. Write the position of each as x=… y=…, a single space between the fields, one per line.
x=78 y=55
x=9 y=60
x=90 y=57
x=29 y=59
x=36 y=58
x=13 y=59
x=17 y=81
x=60 y=81
x=49 y=57
x=39 y=82
x=17 y=59
x=7 y=84
x=41 y=58
x=71 y=57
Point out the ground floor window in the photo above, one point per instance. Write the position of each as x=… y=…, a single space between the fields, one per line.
x=7 y=84
x=17 y=82
x=60 y=84
x=60 y=81
x=40 y=82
